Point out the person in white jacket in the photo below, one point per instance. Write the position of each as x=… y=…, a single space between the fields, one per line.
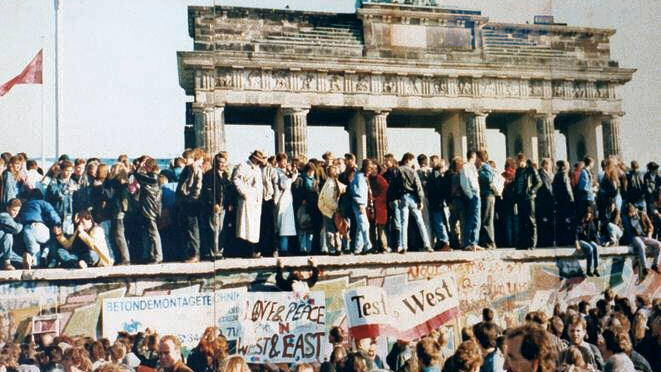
x=328 y=205
x=285 y=221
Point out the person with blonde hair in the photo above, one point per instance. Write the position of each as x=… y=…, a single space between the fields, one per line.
x=235 y=363
x=86 y=247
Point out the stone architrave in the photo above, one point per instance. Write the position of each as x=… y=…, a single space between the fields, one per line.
x=610 y=125
x=210 y=128
x=377 y=140
x=476 y=128
x=296 y=131
x=545 y=135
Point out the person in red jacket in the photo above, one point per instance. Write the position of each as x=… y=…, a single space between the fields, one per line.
x=378 y=208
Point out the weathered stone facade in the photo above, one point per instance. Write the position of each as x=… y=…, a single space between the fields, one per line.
x=392 y=65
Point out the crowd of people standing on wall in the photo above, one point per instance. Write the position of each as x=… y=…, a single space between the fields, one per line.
x=86 y=213
x=613 y=335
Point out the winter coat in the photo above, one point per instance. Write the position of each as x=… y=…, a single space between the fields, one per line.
x=60 y=195
x=150 y=203
x=587 y=232
x=562 y=190
x=118 y=198
x=38 y=210
x=284 y=205
x=527 y=182
x=379 y=187
x=584 y=186
x=247 y=179
x=10 y=187
x=437 y=191
x=189 y=187
x=308 y=192
x=329 y=197
x=485 y=178
x=214 y=190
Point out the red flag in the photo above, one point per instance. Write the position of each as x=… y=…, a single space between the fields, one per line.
x=31 y=74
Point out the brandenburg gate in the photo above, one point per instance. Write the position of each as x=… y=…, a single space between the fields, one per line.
x=401 y=65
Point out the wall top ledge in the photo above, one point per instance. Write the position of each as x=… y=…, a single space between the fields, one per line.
x=177 y=269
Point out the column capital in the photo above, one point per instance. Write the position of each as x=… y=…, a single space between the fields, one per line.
x=478 y=112
x=301 y=110
x=544 y=115
x=612 y=115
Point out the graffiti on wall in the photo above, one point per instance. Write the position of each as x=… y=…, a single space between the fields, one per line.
x=512 y=288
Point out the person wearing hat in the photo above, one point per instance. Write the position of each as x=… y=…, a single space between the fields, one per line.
x=249 y=186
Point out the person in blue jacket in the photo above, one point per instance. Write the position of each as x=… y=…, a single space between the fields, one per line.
x=8 y=228
x=38 y=218
x=359 y=191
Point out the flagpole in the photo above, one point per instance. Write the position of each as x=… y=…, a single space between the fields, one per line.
x=58 y=74
x=43 y=127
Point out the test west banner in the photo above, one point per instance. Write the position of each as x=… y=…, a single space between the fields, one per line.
x=411 y=313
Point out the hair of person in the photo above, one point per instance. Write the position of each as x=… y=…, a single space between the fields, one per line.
x=520 y=158
x=470 y=154
x=467 y=334
x=407 y=157
x=483 y=156
x=367 y=163
x=235 y=363
x=309 y=167
x=487 y=314
x=644 y=299
x=113 y=367
x=535 y=345
x=14 y=203
x=468 y=356
x=486 y=334
x=101 y=172
x=617 y=340
x=588 y=161
x=151 y=165
x=174 y=339
x=557 y=325
x=539 y=317
x=583 y=306
x=356 y=363
x=78 y=357
x=119 y=172
x=456 y=163
x=118 y=351
x=97 y=351
x=187 y=153
x=575 y=357
x=79 y=161
x=336 y=335
x=575 y=321
x=609 y=294
x=349 y=156
x=304 y=367
x=422 y=159
x=622 y=319
x=428 y=351
x=389 y=156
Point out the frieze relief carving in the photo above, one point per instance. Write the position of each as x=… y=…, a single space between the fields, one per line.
x=389 y=84
x=536 y=88
x=440 y=87
x=280 y=80
x=224 y=78
x=307 y=81
x=465 y=87
x=487 y=87
x=409 y=85
x=413 y=86
x=253 y=79
x=558 y=88
x=335 y=82
x=362 y=83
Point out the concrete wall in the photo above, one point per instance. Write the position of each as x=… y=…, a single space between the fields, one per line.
x=512 y=282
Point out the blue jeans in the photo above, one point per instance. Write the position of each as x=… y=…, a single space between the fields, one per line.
x=363 y=244
x=472 y=235
x=407 y=204
x=36 y=235
x=438 y=226
x=395 y=224
x=614 y=233
x=70 y=259
x=591 y=252
x=6 y=253
x=639 y=244
x=284 y=244
x=305 y=241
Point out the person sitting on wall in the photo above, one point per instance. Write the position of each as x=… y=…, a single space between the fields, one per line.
x=86 y=247
x=8 y=228
x=296 y=280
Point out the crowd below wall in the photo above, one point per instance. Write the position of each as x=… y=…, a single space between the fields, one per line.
x=614 y=335
x=82 y=212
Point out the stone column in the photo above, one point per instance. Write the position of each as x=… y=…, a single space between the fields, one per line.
x=610 y=126
x=545 y=135
x=295 y=122
x=210 y=128
x=377 y=138
x=476 y=128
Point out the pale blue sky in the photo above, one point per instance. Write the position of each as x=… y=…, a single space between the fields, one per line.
x=121 y=91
